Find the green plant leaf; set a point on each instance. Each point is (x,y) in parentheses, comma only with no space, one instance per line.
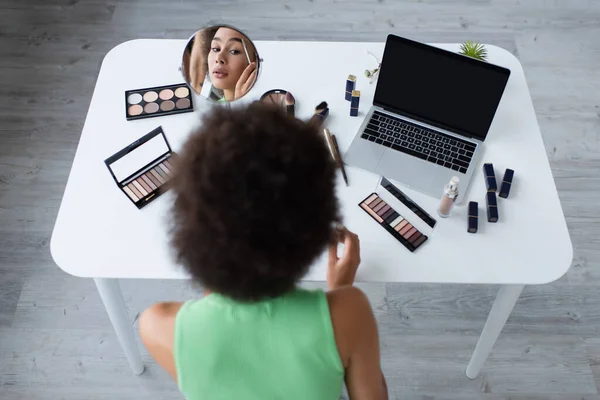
(474,50)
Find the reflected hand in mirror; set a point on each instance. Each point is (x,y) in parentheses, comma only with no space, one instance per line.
(220,63)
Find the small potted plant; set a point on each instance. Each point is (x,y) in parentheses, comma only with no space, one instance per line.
(474,50)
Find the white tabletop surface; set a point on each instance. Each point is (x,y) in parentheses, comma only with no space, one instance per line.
(100,233)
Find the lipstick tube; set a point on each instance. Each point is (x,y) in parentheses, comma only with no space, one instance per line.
(354,103)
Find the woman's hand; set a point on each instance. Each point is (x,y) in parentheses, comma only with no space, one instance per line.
(246,80)
(342,271)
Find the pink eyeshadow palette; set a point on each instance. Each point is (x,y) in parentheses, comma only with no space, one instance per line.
(158,101)
(393,222)
(143,169)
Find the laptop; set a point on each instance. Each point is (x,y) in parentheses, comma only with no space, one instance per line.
(431,113)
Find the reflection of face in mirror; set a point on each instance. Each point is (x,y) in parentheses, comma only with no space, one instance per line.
(220,63)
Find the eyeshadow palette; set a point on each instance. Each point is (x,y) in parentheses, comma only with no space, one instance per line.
(393,222)
(408,202)
(158,101)
(142,170)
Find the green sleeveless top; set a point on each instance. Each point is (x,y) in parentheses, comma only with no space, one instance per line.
(282,348)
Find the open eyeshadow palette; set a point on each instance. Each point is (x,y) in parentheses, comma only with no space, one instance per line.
(408,202)
(393,222)
(158,101)
(142,170)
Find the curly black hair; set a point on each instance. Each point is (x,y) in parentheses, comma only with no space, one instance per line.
(254,203)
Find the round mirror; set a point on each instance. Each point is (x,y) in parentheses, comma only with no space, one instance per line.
(220,63)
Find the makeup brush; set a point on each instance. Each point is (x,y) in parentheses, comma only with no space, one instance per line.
(321,112)
(339,159)
(289,104)
(246,51)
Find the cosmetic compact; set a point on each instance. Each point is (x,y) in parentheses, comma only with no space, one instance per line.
(158,101)
(142,170)
(280,98)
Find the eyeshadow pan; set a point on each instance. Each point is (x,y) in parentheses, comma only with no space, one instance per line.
(144,184)
(182,92)
(135,109)
(168,164)
(134,98)
(411,232)
(419,241)
(140,188)
(151,176)
(151,108)
(414,237)
(167,105)
(165,168)
(388,214)
(134,190)
(150,96)
(379,206)
(165,94)
(161,172)
(391,217)
(367,209)
(401,225)
(149,182)
(383,210)
(183,103)
(406,228)
(130,193)
(158,176)
(395,222)
(374,202)
(370,199)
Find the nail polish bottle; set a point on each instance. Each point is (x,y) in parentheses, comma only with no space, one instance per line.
(449,197)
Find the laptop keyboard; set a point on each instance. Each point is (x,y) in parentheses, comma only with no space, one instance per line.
(435,147)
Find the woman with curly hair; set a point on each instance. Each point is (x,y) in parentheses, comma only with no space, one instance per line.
(254,207)
(225,58)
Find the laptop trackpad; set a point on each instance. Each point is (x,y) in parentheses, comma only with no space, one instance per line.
(364,154)
(410,171)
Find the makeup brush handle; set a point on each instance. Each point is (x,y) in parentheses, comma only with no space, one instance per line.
(338,157)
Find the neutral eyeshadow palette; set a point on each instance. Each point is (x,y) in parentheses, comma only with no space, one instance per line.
(158,101)
(142,170)
(393,222)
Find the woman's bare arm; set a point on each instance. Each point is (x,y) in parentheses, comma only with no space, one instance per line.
(157,329)
(357,339)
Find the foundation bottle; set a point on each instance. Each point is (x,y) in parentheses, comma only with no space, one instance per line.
(449,197)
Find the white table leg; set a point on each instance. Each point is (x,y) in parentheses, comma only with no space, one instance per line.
(110,292)
(503,305)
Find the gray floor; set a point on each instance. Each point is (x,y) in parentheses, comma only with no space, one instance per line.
(55,339)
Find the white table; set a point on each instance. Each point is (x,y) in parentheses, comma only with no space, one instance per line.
(101,235)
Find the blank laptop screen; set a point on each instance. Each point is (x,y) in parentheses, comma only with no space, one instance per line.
(439,87)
